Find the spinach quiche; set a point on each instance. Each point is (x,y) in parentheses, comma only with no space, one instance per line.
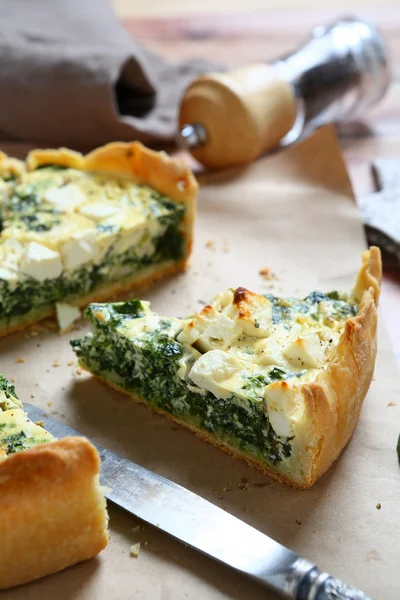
(276,381)
(76,229)
(52,509)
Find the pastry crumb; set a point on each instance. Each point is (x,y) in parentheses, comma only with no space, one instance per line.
(135,529)
(79,371)
(379,506)
(210,245)
(244,484)
(298,521)
(135,549)
(49,404)
(40,423)
(267,274)
(391,404)
(56,363)
(70,363)
(20,360)
(13,379)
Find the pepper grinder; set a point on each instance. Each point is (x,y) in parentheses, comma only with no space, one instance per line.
(227,119)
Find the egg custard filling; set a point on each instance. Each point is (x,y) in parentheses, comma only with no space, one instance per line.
(231,372)
(17,432)
(75,234)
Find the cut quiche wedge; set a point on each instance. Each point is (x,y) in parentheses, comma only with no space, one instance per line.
(52,509)
(76,229)
(277,382)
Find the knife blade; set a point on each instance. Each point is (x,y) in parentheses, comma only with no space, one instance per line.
(206,527)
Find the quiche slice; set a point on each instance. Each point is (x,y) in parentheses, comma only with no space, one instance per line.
(52,509)
(74,229)
(276,381)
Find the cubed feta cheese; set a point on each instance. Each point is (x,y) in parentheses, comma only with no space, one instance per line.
(8,275)
(65,198)
(210,330)
(278,402)
(80,249)
(252,312)
(214,368)
(66,315)
(222,300)
(98,210)
(41,263)
(306,351)
(269,350)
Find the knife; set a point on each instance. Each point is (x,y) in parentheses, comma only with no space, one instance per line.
(206,527)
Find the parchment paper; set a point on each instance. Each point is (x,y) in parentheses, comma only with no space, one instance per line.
(294,213)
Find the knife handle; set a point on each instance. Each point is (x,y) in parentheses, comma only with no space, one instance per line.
(305,583)
(245,112)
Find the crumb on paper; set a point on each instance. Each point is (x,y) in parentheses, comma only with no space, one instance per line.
(244,484)
(210,245)
(379,506)
(40,423)
(298,521)
(32,395)
(78,371)
(49,404)
(135,549)
(267,274)
(56,363)
(13,379)
(20,360)
(70,363)
(391,404)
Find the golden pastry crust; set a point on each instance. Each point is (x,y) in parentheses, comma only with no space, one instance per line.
(147,278)
(133,161)
(332,402)
(52,510)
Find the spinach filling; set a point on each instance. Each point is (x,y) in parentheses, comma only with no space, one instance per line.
(149,367)
(286,310)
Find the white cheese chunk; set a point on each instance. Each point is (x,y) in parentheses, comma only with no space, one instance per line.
(65,198)
(210,330)
(252,312)
(269,350)
(8,275)
(222,300)
(80,249)
(306,351)
(98,210)
(41,263)
(212,369)
(279,406)
(66,315)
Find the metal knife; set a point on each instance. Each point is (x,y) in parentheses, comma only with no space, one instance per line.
(207,528)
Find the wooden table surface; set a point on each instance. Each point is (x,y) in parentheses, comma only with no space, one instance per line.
(216,32)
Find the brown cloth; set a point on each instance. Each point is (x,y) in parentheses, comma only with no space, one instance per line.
(70,74)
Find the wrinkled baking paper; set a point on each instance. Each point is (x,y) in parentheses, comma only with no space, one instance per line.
(294,213)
